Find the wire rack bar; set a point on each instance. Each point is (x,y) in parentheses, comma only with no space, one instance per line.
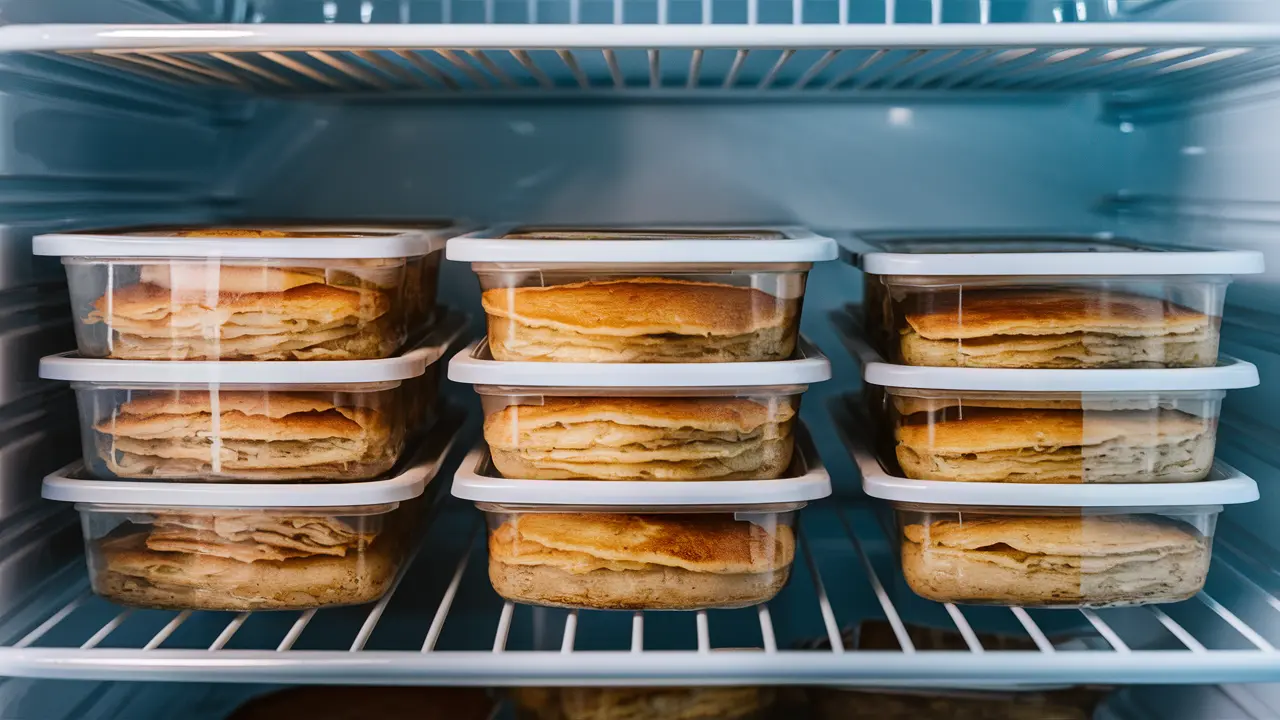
(106,630)
(1185,637)
(44,627)
(966,631)
(637,632)
(1166,60)
(824,604)
(704,632)
(882,596)
(1037,635)
(1235,622)
(767,637)
(296,631)
(1105,631)
(450,592)
(504,627)
(570,632)
(167,630)
(229,631)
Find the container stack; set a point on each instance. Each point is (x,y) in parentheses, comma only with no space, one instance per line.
(641,391)
(251,405)
(1041,413)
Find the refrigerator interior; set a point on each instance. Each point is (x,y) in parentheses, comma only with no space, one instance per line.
(937,114)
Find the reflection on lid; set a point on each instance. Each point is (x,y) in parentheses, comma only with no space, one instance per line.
(639,234)
(1022,244)
(231,232)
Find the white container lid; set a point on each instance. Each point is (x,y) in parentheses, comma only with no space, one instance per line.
(1004,253)
(1226,486)
(648,245)
(304,243)
(71,367)
(1229,374)
(67,485)
(475,365)
(476,480)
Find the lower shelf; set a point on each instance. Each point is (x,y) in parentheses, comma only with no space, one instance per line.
(443,625)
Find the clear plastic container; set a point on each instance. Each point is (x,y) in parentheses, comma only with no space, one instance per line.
(1055,556)
(1048,437)
(995,425)
(638,422)
(1013,301)
(246,294)
(1047,545)
(633,295)
(640,558)
(253,421)
(244,558)
(247,547)
(712,434)
(691,703)
(422,279)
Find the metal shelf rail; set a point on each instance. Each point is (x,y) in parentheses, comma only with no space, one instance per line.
(796,59)
(442,624)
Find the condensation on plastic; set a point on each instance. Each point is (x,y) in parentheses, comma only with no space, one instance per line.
(524,567)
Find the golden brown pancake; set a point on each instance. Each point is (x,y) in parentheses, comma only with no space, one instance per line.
(1093,560)
(639,320)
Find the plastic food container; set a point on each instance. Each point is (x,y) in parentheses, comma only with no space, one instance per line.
(246,547)
(245,294)
(1053,545)
(684,703)
(640,545)
(640,422)
(423,276)
(319,421)
(1014,301)
(1001,425)
(642,295)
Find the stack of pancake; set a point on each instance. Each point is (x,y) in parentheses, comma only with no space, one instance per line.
(638,562)
(988,444)
(244,561)
(259,435)
(643,438)
(648,319)
(1092,560)
(1054,328)
(220,310)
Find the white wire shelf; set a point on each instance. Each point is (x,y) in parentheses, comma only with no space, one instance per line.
(443,625)
(800,58)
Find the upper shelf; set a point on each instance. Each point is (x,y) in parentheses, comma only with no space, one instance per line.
(828,59)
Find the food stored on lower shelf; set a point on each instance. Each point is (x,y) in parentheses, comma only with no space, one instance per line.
(640,558)
(640,703)
(642,295)
(641,545)
(1053,556)
(246,547)
(1018,301)
(1054,545)
(1046,426)
(249,294)
(252,421)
